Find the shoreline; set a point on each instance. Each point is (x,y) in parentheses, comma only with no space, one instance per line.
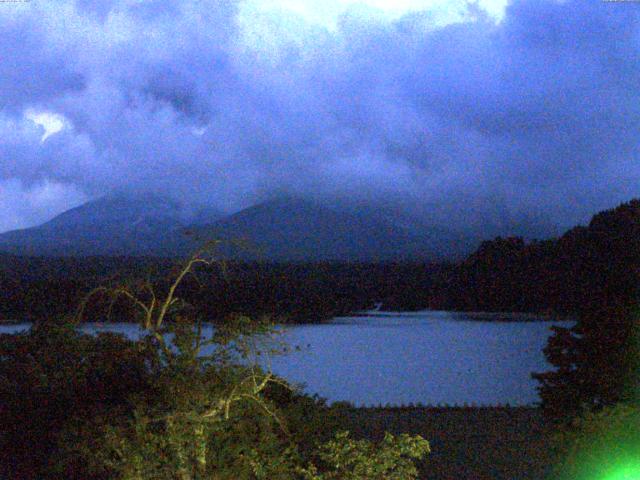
(479,316)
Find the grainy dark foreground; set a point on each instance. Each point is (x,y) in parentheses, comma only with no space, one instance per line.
(501,443)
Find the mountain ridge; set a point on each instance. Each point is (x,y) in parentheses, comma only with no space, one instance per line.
(280,229)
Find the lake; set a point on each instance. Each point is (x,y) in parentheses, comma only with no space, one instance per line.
(398,358)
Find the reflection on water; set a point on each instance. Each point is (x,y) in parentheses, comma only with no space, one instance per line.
(401,358)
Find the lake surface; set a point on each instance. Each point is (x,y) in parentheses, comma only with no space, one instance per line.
(399,358)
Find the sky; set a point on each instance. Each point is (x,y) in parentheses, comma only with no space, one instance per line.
(457,112)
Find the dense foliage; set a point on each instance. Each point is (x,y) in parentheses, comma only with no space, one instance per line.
(590,274)
(597,360)
(178,403)
(53,377)
(580,271)
(39,288)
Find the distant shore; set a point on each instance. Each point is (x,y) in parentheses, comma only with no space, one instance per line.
(11,321)
(507,316)
(477,316)
(454,315)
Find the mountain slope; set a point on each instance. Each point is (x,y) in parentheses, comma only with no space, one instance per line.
(286,229)
(114,225)
(296,230)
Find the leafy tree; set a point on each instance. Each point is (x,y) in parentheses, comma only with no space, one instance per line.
(596,361)
(347,459)
(52,377)
(195,403)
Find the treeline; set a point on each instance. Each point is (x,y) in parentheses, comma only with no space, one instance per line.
(587,266)
(590,274)
(38,288)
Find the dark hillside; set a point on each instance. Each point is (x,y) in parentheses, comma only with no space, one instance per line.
(587,266)
(37,288)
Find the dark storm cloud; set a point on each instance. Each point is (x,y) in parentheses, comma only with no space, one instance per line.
(464,124)
(30,72)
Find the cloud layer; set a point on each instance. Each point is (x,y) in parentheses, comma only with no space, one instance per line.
(216,103)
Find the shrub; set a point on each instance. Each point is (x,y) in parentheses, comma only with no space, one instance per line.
(166,407)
